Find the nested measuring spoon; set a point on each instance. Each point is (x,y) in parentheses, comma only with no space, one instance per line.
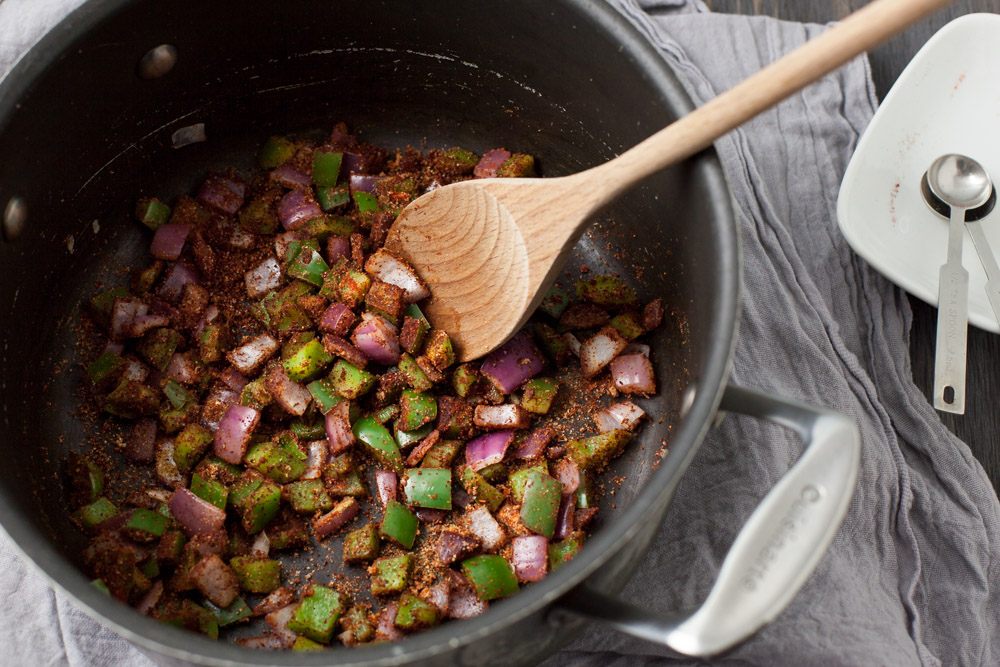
(962,185)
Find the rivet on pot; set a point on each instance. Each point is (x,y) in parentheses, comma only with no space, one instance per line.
(15,215)
(158,61)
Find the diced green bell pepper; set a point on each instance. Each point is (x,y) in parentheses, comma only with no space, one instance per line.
(259,506)
(158,345)
(190,445)
(102,304)
(306,431)
(257,216)
(441,454)
(256,575)
(428,487)
(349,380)
(561,552)
(491,576)
(518,165)
(308,266)
(628,325)
(144,280)
(414,375)
(388,413)
(362,544)
(379,443)
(187,614)
(100,510)
(356,622)
(106,369)
(86,479)
(308,496)
(275,152)
(366,202)
(145,525)
(325,226)
(413,333)
(480,489)
(242,488)
(538,395)
(540,503)
(597,450)
(325,394)
(132,399)
(415,613)
(458,160)
(303,643)
(331,198)
(607,291)
(101,586)
(582,495)
(281,460)
(390,575)
(439,350)
(234,613)
(326,166)
(495,473)
(552,343)
(406,438)
(554,303)
(152,212)
(317,614)
(399,524)
(463,379)
(255,395)
(520,477)
(353,287)
(209,490)
(176,394)
(307,362)
(416,409)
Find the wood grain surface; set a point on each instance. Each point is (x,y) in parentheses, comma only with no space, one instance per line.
(980,426)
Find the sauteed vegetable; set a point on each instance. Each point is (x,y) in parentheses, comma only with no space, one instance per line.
(273,370)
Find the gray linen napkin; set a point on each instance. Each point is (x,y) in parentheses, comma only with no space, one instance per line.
(911,577)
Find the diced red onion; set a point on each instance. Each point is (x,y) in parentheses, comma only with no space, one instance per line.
(189,134)
(215,542)
(339,435)
(263,278)
(568,474)
(233,378)
(278,620)
(261,546)
(439,595)
(296,207)
(115,523)
(385,626)
(195,515)
(219,398)
(337,247)
(490,162)
(337,320)
(636,348)
(465,604)
(624,415)
(386,482)
(150,599)
(388,268)
(573,343)
(252,354)
(208,316)
(365,316)
(487,449)
(536,442)
(652,314)
(364,183)
(124,310)
(112,346)
(290,177)
(598,350)
(633,374)
(351,162)
(215,580)
(136,370)
(340,347)
(145,323)
(168,240)
(282,240)
(182,369)
(453,545)
(555,452)
(582,517)
(374,338)
(564,520)
(318,455)
(430,515)
(223,193)
(530,558)
(166,467)
(292,396)
(513,363)
(240,239)
(275,600)
(233,434)
(418,453)
(141,441)
(342,512)
(482,524)
(177,276)
(507,416)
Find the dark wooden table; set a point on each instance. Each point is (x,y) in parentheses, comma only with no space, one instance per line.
(980,425)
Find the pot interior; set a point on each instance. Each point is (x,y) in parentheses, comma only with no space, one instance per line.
(87,137)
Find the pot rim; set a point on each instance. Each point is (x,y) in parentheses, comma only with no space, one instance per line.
(160,638)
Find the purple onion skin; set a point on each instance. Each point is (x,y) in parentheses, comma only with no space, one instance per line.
(513,363)
(234,432)
(488,449)
(296,207)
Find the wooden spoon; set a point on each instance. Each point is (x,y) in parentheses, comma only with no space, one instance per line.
(489,249)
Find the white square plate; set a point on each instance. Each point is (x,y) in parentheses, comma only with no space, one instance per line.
(947,100)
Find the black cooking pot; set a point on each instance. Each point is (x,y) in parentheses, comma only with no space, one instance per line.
(82,134)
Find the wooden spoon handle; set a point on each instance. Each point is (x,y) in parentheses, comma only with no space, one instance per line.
(857,33)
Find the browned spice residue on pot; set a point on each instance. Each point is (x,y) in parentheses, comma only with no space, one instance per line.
(255,396)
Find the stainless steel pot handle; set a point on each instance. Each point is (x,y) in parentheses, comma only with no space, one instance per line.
(773,554)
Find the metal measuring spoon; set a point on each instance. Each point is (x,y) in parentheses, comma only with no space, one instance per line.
(962,184)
